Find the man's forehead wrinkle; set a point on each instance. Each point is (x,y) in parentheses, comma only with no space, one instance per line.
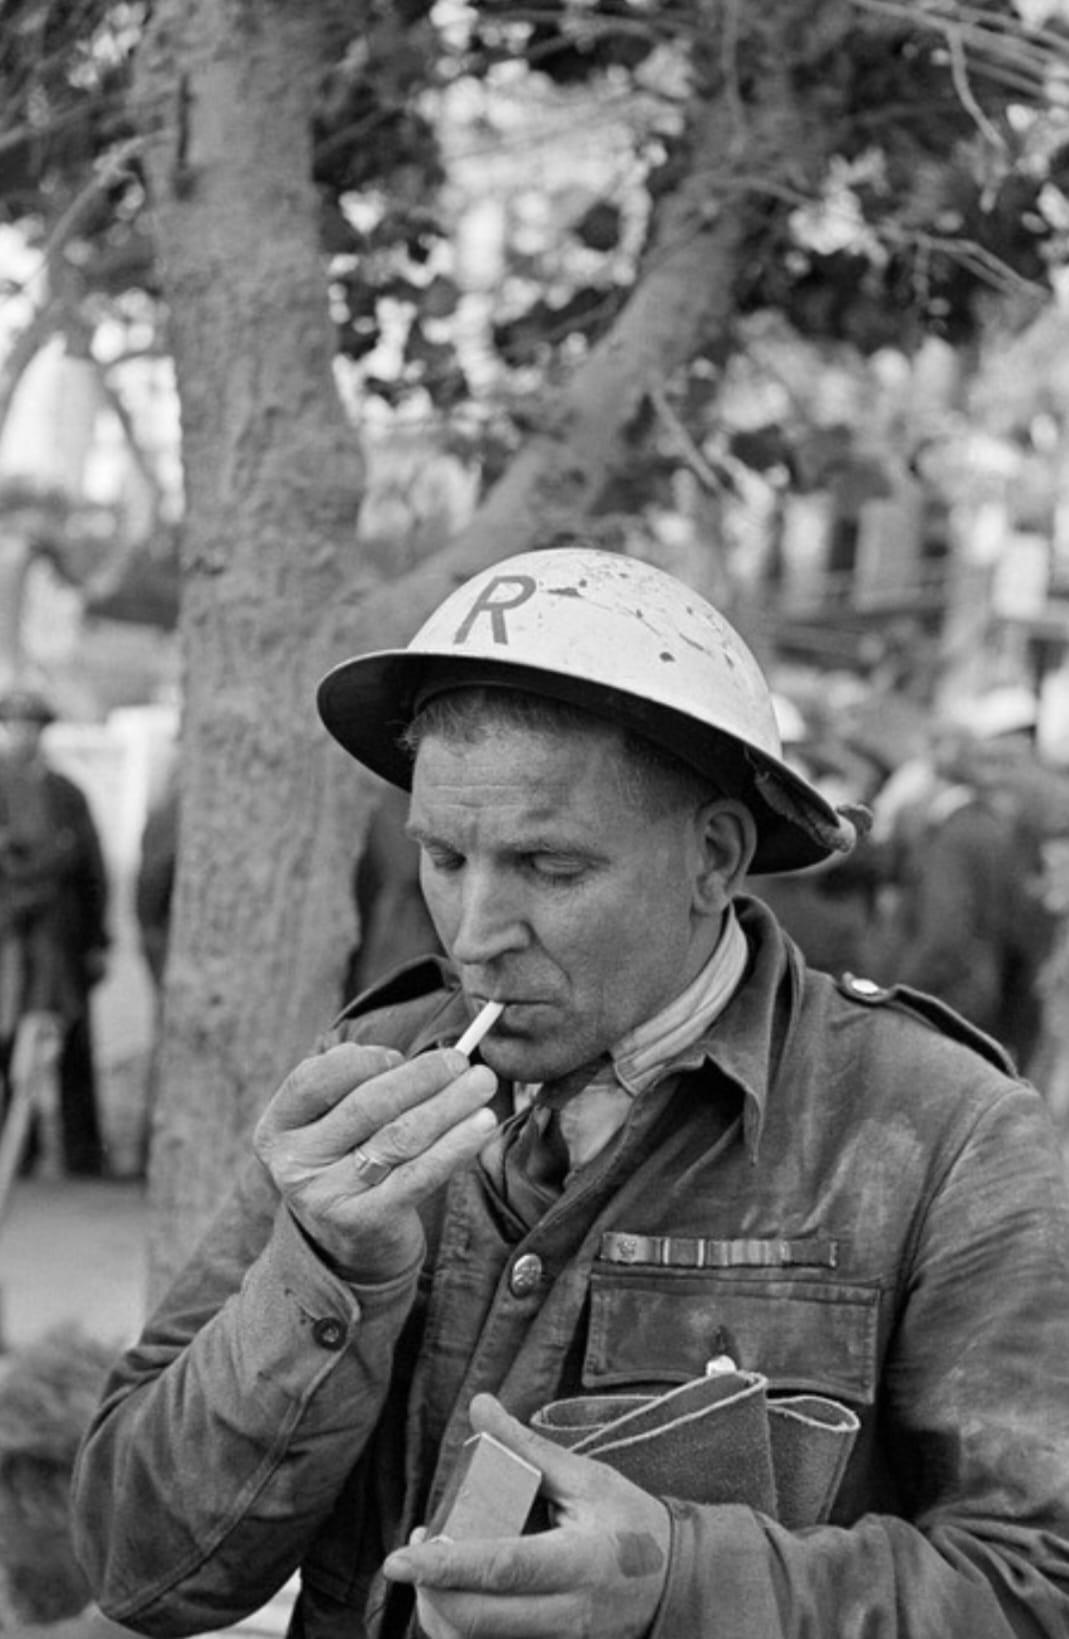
(601,743)
(515,793)
(484,799)
(538,791)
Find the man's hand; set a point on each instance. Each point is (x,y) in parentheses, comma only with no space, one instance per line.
(337,1111)
(600,1571)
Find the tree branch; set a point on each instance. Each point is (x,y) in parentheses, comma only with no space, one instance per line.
(684,294)
(24,348)
(68,222)
(702,469)
(959,70)
(138,454)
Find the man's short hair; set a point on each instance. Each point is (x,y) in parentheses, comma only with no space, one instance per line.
(653,778)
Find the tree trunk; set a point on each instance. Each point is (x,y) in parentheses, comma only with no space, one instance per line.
(274,480)
(271,816)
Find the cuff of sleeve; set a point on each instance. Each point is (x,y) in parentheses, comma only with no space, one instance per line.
(318,1288)
(296,1325)
(718,1575)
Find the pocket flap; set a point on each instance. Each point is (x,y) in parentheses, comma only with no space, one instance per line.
(649,1327)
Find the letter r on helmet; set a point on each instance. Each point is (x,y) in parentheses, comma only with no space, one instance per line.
(524,587)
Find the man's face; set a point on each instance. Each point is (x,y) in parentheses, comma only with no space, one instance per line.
(555,891)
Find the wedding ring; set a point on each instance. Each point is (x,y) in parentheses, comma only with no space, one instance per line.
(369,1169)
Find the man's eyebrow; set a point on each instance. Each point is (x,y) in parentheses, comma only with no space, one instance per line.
(536,842)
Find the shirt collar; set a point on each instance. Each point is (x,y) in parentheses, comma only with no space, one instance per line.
(747,1041)
(642,1055)
(744,1042)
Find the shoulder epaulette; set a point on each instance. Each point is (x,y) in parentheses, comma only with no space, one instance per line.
(930,1011)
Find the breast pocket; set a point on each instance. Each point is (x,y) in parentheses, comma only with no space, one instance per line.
(660,1327)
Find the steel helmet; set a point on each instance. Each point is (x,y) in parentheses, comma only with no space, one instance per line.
(618,637)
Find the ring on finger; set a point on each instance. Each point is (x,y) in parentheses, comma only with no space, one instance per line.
(370,1169)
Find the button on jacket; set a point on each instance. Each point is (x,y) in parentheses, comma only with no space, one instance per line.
(846,1183)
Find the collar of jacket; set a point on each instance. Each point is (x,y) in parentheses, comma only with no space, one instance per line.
(744,1044)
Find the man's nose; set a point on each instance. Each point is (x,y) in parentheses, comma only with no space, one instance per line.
(489,923)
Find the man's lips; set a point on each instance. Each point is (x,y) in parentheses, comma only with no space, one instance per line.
(514,1007)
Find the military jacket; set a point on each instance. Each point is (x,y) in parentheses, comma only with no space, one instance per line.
(847,1187)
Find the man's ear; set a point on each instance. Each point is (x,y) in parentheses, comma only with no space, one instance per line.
(727,837)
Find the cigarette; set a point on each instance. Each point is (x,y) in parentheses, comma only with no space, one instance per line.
(487,1015)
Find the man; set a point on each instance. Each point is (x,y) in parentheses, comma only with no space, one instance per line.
(829,910)
(53,917)
(704,1151)
(393,922)
(965,919)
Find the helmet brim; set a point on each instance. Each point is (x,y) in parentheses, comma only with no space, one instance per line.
(367,703)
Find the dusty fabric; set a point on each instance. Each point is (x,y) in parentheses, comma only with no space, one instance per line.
(718,1438)
(849,1185)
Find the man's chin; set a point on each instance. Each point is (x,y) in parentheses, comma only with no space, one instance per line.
(514,1059)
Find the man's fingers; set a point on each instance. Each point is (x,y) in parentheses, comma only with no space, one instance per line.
(561,1471)
(411,1085)
(515,1566)
(599,1571)
(488,1416)
(446,1615)
(451,1142)
(414,1122)
(441,1117)
(350,1092)
(316,1085)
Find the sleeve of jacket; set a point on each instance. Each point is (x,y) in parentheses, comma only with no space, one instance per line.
(976,1400)
(228,1431)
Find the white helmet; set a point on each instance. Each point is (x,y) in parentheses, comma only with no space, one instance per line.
(620,638)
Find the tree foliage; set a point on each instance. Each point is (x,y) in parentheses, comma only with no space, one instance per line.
(285,197)
(941,178)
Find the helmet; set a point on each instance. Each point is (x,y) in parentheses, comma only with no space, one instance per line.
(25,706)
(618,637)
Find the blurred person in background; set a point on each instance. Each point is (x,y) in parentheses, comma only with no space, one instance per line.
(1010,767)
(830,909)
(964,917)
(393,922)
(53,921)
(1049,1068)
